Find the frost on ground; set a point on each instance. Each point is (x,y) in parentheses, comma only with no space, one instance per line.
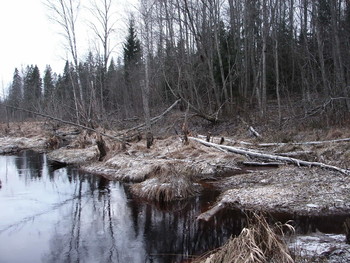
(74,156)
(14,144)
(289,188)
(138,163)
(320,247)
(305,191)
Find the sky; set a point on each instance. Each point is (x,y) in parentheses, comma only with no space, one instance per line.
(28,37)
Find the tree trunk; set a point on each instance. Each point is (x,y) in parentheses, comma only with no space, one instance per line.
(338,60)
(145,84)
(264,63)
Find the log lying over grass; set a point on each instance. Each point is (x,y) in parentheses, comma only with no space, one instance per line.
(274,157)
(262,164)
(273,144)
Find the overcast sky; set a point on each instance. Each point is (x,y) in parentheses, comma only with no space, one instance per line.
(29,37)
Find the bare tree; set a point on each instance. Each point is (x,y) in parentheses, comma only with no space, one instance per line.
(277,71)
(65,15)
(103,26)
(265,33)
(146,7)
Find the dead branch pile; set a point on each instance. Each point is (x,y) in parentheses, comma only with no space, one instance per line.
(168,183)
(258,243)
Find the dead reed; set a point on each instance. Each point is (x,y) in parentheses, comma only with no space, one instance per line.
(167,183)
(258,243)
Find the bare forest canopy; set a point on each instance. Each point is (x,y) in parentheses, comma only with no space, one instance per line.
(221,57)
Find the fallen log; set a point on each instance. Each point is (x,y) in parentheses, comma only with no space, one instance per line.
(273,157)
(66,122)
(298,143)
(153,120)
(254,132)
(296,153)
(278,143)
(264,164)
(207,215)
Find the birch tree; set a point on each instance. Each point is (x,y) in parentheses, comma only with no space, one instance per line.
(65,14)
(103,26)
(146,7)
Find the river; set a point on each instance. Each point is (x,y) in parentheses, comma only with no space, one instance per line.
(64,215)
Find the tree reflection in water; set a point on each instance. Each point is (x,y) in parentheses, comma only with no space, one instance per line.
(30,163)
(90,219)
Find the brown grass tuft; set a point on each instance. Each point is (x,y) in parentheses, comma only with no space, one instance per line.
(167,183)
(258,243)
(334,134)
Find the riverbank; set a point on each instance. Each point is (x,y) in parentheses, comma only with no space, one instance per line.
(286,188)
(173,170)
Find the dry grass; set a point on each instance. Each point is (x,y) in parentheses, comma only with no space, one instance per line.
(258,243)
(168,183)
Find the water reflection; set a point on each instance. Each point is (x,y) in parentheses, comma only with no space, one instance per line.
(29,163)
(63,215)
(67,216)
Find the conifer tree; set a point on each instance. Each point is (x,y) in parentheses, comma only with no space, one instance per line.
(15,92)
(63,87)
(32,87)
(132,68)
(132,47)
(110,85)
(48,84)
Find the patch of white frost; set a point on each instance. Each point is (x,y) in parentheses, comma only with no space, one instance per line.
(331,247)
(12,144)
(74,156)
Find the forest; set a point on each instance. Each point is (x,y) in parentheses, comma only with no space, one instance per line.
(259,95)
(266,58)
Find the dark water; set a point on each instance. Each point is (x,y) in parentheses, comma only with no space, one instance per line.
(68,216)
(64,215)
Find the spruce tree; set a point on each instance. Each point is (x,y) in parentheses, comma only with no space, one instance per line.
(32,87)
(48,84)
(110,85)
(37,84)
(15,92)
(132,71)
(64,87)
(132,49)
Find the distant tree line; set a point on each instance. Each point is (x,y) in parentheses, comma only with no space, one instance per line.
(220,57)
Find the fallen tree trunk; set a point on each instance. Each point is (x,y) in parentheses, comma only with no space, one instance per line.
(257,164)
(213,118)
(66,122)
(296,153)
(273,157)
(153,120)
(280,143)
(299,143)
(207,215)
(254,132)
